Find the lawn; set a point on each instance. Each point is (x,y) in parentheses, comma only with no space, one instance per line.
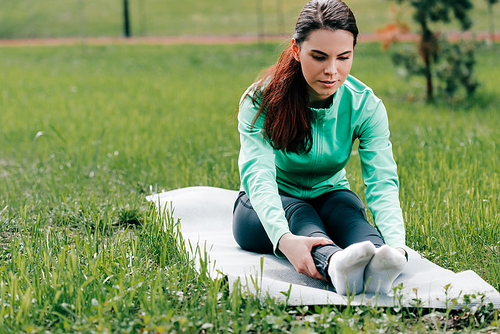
(63,18)
(89,131)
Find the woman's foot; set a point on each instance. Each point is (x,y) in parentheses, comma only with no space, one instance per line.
(385,266)
(347,267)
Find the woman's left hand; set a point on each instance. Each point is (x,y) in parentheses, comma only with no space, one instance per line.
(297,250)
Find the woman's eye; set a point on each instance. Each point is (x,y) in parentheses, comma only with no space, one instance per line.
(318,57)
(343,58)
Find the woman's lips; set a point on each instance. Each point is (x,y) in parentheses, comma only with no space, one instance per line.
(328,84)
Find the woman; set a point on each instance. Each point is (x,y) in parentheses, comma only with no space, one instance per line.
(297,127)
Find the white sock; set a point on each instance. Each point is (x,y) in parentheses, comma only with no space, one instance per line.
(347,267)
(383,269)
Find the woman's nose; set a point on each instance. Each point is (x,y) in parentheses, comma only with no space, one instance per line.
(331,68)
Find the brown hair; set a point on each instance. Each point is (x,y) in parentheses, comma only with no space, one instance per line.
(281,94)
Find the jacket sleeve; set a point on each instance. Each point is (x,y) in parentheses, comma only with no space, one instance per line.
(380,174)
(258,173)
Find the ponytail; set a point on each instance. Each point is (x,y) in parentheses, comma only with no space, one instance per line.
(282,97)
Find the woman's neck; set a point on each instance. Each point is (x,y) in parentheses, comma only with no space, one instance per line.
(321,103)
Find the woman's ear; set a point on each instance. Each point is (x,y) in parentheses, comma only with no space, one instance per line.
(295,50)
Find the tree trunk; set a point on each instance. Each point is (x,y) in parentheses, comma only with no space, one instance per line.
(427,50)
(428,76)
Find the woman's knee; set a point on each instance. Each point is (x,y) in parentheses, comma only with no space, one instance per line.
(297,209)
(342,200)
(247,228)
(303,218)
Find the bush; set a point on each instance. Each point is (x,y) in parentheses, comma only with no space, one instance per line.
(453,66)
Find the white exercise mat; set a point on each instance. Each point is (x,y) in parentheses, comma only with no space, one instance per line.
(206,218)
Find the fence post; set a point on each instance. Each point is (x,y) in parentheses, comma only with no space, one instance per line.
(30,17)
(81,10)
(281,16)
(260,20)
(126,19)
(143,17)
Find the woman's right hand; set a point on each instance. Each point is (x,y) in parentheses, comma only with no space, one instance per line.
(297,250)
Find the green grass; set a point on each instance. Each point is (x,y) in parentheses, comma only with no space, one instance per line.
(88,131)
(63,18)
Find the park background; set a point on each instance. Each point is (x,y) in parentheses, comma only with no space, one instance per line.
(89,129)
(95,18)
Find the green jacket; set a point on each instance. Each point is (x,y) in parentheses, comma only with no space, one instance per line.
(354,113)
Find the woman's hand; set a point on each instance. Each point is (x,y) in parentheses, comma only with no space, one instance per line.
(297,250)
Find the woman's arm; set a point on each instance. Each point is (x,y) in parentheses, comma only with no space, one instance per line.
(258,179)
(380,174)
(258,173)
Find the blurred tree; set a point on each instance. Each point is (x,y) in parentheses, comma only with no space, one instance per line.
(432,11)
(432,48)
(391,32)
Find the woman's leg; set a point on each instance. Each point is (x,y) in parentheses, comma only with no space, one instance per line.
(302,220)
(247,228)
(344,216)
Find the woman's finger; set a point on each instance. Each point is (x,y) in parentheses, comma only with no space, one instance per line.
(317,241)
(298,251)
(309,262)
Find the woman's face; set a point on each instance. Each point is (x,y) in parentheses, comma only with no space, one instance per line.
(326,59)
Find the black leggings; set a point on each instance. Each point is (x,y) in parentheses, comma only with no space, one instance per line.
(338,215)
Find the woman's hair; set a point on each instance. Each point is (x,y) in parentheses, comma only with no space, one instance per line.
(281,94)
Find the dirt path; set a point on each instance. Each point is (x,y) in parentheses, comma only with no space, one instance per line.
(201,39)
